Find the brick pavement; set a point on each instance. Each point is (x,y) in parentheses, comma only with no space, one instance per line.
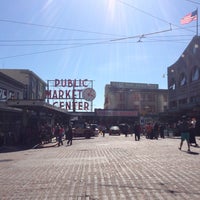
(114,167)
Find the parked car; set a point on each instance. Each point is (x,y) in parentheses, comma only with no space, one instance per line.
(114,130)
(82,130)
(125,128)
(95,129)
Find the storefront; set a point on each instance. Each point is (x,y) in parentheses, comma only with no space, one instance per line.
(21,121)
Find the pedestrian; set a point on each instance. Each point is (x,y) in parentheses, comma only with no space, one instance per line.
(69,135)
(60,136)
(137,131)
(126,129)
(149,130)
(193,129)
(56,131)
(162,129)
(104,131)
(155,131)
(184,130)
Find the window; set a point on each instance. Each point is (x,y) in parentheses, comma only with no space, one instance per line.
(172,85)
(136,97)
(121,106)
(195,73)
(11,94)
(173,104)
(182,79)
(183,101)
(3,94)
(195,99)
(151,97)
(121,96)
(17,95)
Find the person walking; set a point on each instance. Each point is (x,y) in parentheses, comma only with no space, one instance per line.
(56,131)
(155,131)
(60,136)
(137,130)
(69,136)
(184,130)
(162,129)
(193,129)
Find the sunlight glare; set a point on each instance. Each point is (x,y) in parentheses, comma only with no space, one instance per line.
(46,5)
(111,8)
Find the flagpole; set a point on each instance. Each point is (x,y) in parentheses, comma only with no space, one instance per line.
(197,22)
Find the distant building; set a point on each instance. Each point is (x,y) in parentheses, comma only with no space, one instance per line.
(10,88)
(184,81)
(34,86)
(145,99)
(23,108)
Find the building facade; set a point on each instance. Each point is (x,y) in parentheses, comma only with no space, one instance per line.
(34,85)
(23,108)
(10,88)
(145,99)
(184,81)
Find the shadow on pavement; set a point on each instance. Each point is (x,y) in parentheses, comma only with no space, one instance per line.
(191,152)
(7,149)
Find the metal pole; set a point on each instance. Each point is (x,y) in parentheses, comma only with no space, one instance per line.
(73,99)
(197,22)
(92,100)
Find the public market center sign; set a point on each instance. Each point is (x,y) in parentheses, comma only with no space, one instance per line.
(72,95)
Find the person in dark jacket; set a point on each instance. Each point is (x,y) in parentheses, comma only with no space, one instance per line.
(69,135)
(184,130)
(193,130)
(137,130)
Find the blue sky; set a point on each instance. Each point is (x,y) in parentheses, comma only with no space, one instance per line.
(81,39)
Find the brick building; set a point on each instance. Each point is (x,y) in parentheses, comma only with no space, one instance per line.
(184,81)
(145,99)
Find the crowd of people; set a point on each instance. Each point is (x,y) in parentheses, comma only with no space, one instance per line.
(187,129)
(57,132)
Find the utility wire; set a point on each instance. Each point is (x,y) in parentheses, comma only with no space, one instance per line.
(51,50)
(53,40)
(56,27)
(149,14)
(76,46)
(193,2)
(63,42)
(141,36)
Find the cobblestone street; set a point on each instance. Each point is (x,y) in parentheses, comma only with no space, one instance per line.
(111,167)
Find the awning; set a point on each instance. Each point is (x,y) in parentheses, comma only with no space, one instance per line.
(4,107)
(37,105)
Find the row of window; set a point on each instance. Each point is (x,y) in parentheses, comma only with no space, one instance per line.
(142,97)
(8,94)
(183,79)
(194,99)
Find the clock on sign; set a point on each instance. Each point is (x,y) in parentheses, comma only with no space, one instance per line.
(89,94)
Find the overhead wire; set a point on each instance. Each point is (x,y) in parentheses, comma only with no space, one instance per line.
(57,27)
(193,2)
(79,46)
(76,45)
(149,14)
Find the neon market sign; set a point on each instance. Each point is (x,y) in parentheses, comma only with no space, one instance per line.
(72,95)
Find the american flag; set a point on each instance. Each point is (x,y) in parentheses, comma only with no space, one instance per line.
(189,17)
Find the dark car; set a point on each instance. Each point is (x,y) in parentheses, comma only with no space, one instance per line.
(125,128)
(114,130)
(95,129)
